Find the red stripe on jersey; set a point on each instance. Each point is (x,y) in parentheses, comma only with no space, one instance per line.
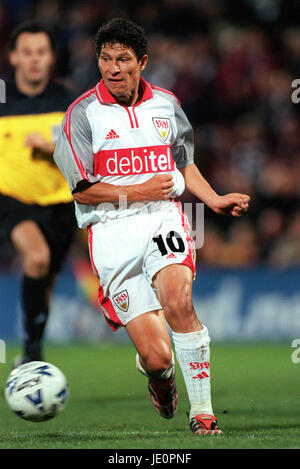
(71,107)
(90,244)
(78,162)
(105,97)
(128,161)
(135,118)
(129,115)
(154,87)
(190,259)
(98,94)
(104,94)
(67,129)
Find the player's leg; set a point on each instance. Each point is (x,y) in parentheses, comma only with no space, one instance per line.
(154,359)
(191,340)
(35,254)
(174,289)
(150,337)
(127,298)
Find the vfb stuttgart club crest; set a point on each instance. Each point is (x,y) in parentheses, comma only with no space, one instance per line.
(162,126)
(122,300)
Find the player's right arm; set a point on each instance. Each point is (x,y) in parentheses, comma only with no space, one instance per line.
(75,158)
(159,187)
(183,153)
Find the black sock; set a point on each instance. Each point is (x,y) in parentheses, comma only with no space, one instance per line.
(35,305)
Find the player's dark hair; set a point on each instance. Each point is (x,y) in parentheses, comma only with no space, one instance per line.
(125,32)
(30,27)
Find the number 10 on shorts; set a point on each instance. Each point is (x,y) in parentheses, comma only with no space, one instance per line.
(173,240)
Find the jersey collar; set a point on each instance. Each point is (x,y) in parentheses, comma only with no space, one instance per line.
(105,97)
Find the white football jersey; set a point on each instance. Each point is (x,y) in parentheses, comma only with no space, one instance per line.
(103,141)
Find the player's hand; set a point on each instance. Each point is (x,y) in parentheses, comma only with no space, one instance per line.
(36,140)
(234,204)
(159,187)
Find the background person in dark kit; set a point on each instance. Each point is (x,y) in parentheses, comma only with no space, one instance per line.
(36,206)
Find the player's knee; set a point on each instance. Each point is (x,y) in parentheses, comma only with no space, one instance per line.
(157,363)
(178,305)
(179,312)
(37,263)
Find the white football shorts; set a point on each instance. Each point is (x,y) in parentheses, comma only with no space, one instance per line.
(126,253)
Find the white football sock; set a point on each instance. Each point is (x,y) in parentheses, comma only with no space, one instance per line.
(193,355)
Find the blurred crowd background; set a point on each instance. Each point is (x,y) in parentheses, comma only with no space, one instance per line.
(231,64)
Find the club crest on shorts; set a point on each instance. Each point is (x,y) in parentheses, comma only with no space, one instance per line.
(122,300)
(162,126)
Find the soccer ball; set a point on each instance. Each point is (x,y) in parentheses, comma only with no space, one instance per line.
(36,391)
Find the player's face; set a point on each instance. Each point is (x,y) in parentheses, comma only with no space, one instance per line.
(121,71)
(32,57)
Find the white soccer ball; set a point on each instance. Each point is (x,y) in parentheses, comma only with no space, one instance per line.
(36,391)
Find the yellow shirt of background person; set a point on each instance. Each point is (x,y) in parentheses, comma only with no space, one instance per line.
(28,130)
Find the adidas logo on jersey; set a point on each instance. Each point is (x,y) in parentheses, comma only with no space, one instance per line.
(111,135)
(171,256)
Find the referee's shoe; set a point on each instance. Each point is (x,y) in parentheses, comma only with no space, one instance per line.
(32,354)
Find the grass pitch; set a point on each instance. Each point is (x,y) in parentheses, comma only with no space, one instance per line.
(255,390)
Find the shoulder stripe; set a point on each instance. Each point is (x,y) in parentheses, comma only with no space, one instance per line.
(67,129)
(158,88)
(80,98)
(98,94)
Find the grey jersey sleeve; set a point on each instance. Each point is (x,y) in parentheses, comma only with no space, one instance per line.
(73,152)
(183,147)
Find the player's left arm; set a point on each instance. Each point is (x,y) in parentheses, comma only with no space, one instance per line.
(234,203)
(183,154)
